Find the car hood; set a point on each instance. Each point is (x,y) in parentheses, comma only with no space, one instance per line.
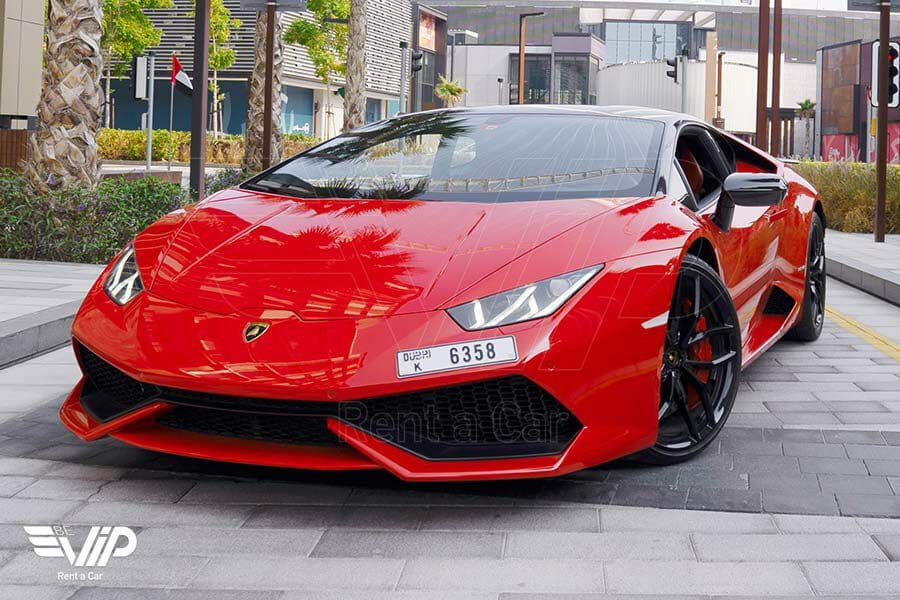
(333,259)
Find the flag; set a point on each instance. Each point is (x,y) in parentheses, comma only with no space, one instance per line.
(180,79)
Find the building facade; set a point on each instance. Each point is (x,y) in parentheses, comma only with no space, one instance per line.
(845,89)
(636,37)
(563,71)
(21,53)
(310,106)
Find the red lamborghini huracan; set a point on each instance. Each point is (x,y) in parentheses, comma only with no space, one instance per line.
(482,293)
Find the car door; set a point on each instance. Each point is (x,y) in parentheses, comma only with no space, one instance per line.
(748,251)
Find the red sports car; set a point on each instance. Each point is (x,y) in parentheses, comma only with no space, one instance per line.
(486,293)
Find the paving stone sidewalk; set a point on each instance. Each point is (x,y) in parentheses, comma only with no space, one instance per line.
(38,301)
(856,259)
(29,286)
(789,502)
(204,528)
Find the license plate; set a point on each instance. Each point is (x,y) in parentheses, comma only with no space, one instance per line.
(450,357)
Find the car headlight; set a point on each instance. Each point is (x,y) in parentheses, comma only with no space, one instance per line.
(525,303)
(124,281)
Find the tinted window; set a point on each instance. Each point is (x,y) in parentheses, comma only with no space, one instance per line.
(478,157)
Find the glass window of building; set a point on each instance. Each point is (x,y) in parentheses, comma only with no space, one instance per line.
(571,76)
(373,110)
(537,79)
(427,80)
(632,41)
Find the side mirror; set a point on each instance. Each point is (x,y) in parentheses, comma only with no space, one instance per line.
(748,189)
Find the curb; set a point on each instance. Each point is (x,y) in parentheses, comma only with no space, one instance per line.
(24,337)
(865,277)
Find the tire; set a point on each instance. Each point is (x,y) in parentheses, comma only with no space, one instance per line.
(812,315)
(703,339)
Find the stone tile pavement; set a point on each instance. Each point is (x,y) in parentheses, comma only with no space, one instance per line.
(37,303)
(790,502)
(28,286)
(856,259)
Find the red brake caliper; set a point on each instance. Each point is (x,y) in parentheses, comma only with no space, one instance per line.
(699,352)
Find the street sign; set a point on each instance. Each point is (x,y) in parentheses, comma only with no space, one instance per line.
(871,5)
(262,5)
(893,72)
(139,77)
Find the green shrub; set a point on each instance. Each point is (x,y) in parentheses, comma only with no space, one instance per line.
(79,224)
(127,144)
(225,178)
(847,191)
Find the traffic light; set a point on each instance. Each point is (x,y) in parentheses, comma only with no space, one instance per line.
(417,57)
(673,69)
(893,70)
(893,75)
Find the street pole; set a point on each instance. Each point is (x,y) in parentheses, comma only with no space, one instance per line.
(522,18)
(684,88)
(499,90)
(404,73)
(521,97)
(882,133)
(719,122)
(775,147)
(762,76)
(452,55)
(171,113)
(152,83)
(198,112)
(270,74)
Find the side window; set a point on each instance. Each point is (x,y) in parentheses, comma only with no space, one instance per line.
(742,158)
(702,164)
(677,187)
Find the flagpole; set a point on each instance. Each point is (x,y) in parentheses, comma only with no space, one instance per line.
(171,111)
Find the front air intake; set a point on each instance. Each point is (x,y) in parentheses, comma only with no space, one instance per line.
(510,417)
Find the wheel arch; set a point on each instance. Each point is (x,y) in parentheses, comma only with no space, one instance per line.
(819,209)
(703,249)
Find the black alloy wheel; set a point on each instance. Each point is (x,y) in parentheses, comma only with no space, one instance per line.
(700,368)
(812,317)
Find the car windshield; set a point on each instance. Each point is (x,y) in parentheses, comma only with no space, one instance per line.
(460,156)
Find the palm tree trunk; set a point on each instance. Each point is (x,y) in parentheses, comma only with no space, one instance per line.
(355,97)
(256,99)
(63,149)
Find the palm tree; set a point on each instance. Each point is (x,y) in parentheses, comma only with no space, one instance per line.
(355,88)
(63,149)
(806,111)
(451,92)
(256,99)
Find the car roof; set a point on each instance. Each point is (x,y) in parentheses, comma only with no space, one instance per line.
(625,111)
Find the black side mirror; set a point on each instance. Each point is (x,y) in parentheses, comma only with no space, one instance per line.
(748,189)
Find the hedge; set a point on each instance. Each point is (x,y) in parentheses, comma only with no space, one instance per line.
(128,144)
(80,224)
(847,191)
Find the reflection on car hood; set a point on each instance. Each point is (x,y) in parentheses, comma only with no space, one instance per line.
(331,259)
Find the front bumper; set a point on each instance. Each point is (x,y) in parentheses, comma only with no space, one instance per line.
(607,382)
